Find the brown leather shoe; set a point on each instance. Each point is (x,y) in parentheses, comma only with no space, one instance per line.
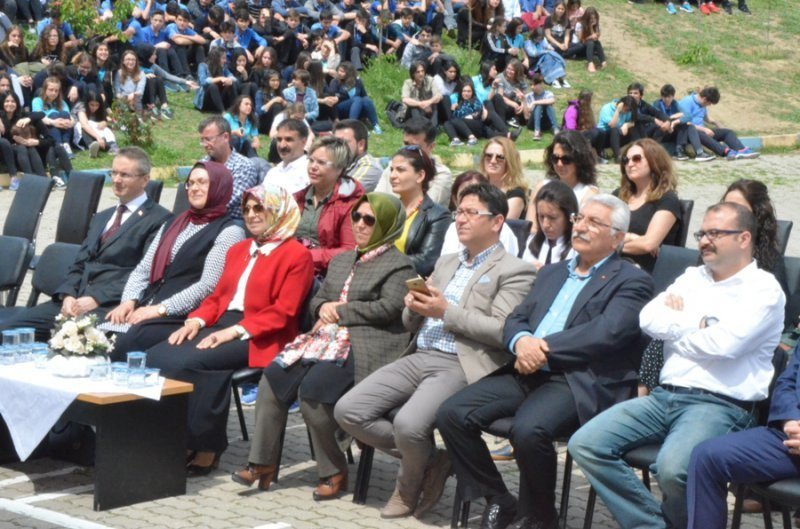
(330,488)
(249,475)
(433,484)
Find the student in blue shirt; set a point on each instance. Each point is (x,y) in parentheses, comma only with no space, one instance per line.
(187,43)
(244,128)
(156,35)
(252,42)
(680,131)
(616,123)
(227,40)
(723,142)
(300,92)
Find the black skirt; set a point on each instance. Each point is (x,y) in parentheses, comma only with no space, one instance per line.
(323,382)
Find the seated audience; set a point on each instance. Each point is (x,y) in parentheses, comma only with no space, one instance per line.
(92,126)
(426,221)
(325,204)
(451,243)
(358,330)
(616,123)
(540,109)
(352,101)
(218,86)
(587,30)
(679,132)
(648,186)
(244,129)
(501,164)
(564,372)
(115,243)
(181,267)
(215,138)
(252,313)
(721,141)
(544,59)
(458,340)
(365,169)
(419,132)
(555,205)
(292,171)
(420,96)
(300,92)
(720,323)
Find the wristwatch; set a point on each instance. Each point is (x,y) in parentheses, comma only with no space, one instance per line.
(162,310)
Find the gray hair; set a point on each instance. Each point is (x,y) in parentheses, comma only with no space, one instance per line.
(620,213)
(338,150)
(137,156)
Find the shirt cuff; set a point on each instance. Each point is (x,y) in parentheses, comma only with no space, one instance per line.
(198,320)
(515,339)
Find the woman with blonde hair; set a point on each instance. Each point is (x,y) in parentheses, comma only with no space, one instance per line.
(648,186)
(501,163)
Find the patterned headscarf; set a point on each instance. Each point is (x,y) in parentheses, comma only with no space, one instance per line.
(281,206)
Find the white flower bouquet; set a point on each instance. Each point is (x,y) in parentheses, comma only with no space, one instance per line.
(79,337)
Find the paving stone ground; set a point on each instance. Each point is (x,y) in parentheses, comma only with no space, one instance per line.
(49,494)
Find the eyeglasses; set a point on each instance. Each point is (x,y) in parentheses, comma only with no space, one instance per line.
(319,163)
(205,141)
(594,224)
(369,220)
(489,156)
(472,213)
(714,235)
(636,158)
(255,208)
(196,183)
(125,176)
(565,160)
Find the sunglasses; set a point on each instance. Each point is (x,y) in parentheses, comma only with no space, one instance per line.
(565,160)
(490,155)
(636,158)
(255,208)
(369,220)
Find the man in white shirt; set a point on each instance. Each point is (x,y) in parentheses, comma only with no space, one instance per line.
(365,167)
(292,172)
(720,324)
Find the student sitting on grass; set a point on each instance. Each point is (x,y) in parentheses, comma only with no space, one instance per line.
(539,104)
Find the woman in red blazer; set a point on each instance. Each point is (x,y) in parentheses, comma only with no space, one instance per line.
(252,313)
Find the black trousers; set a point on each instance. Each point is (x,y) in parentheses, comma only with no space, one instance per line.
(217,99)
(543,409)
(189,56)
(210,370)
(28,160)
(145,335)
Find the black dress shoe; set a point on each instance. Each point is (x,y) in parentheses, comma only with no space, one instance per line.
(533,523)
(497,516)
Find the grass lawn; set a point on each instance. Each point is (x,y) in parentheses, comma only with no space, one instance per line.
(749,58)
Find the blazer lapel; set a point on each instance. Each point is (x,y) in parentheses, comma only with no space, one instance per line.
(486,268)
(600,278)
(130,222)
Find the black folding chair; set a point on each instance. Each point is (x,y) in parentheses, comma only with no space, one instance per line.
(17,253)
(522,229)
(27,207)
(784,229)
(81,199)
(672,261)
(181,203)
(154,189)
(687,206)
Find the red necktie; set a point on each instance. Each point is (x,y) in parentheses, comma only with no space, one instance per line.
(115,225)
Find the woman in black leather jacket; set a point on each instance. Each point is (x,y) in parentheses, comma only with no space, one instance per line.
(426,222)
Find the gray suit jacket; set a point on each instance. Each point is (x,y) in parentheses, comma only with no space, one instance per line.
(494,290)
(374,304)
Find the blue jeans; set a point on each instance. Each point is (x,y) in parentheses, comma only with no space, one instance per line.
(358,107)
(535,121)
(60,135)
(680,422)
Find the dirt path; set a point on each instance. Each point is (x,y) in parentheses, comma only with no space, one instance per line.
(650,66)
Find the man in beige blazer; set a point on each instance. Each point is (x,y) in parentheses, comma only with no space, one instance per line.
(458,340)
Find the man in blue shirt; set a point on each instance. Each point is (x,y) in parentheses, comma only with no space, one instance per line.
(248,39)
(573,351)
(695,110)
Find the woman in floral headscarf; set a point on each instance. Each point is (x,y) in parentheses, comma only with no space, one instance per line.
(359,329)
(252,313)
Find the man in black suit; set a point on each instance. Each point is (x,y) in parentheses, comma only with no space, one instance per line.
(117,240)
(575,341)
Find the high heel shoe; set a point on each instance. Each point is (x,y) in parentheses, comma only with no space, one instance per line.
(195,470)
(249,475)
